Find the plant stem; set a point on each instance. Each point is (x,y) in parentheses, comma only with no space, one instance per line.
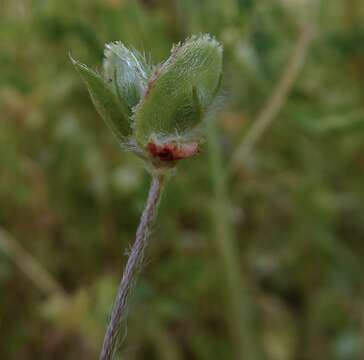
(30,266)
(132,270)
(240,311)
(276,101)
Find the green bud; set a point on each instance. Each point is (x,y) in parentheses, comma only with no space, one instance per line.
(157,113)
(127,72)
(180,91)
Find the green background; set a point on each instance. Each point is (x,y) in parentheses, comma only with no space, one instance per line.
(263,261)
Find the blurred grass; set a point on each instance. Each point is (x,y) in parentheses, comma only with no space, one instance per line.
(291,216)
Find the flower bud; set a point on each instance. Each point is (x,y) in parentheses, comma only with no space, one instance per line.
(127,72)
(180,91)
(157,112)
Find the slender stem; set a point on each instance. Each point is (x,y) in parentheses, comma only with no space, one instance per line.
(29,265)
(240,310)
(132,270)
(276,102)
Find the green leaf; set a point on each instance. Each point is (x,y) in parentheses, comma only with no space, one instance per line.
(110,109)
(180,92)
(127,71)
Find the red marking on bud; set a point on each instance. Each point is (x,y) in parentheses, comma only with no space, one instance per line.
(172,151)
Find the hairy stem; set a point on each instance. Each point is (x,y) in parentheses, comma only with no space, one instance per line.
(132,270)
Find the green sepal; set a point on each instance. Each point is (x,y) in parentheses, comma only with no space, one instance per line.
(114,113)
(127,72)
(190,77)
(196,102)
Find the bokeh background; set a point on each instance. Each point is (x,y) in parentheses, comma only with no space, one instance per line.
(258,250)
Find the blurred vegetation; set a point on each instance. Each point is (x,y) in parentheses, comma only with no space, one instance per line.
(263,261)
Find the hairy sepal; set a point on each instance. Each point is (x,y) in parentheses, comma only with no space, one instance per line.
(127,72)
(105,101)
(180,92)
